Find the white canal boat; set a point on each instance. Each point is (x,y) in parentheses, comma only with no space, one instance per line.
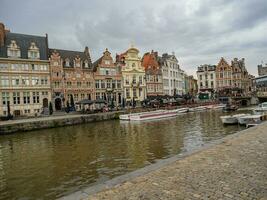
(231,119)
(249,119)
(199,108)
(182,110)
(153,115)
(262,108)
(127,116)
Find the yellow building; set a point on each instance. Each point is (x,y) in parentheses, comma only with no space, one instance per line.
(133,75)
(24,74)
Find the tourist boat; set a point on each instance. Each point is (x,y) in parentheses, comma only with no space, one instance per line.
(153,115)
(229,107)
(262,108)
(249,119)
(231,119)
(182,110)
(218,106)
(127,116)
(199,108)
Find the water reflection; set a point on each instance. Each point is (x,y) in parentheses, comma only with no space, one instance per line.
(54,162)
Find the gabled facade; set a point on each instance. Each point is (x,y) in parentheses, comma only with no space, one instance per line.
(154,84)
(25,73)
(173,76)
(133,75)
(71,77)
(108,80)
(233,79)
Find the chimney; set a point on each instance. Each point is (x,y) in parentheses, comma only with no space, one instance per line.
(2,34)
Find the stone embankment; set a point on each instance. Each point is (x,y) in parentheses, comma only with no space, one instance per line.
(234,168)
(13,126)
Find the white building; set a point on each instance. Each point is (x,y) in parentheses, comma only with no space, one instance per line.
(173,76)
(206,78)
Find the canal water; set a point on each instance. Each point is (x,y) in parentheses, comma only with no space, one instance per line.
(51,163)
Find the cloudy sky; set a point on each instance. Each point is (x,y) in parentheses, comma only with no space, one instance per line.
(197,31)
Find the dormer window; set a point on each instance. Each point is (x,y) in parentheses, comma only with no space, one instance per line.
(86,64)
(13,50)
(33,51)
(67,62)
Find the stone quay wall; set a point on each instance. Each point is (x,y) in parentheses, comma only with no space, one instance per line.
(13,126)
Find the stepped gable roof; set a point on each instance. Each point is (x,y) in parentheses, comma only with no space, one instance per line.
(24,42)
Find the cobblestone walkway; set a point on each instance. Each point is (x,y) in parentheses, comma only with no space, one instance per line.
(235,169)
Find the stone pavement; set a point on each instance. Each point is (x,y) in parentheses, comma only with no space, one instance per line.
(236,168)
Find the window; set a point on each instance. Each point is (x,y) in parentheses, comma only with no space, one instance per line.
(76,97)
(113,83)
(206,76)
(86,64)
(25,81)
(118,84)
(35,97)
(69,84)
(24,67)
(107,72)
(140,80)
(82,96)
(44,80)
(13,50)
(15,81)
(3,66)
(127,80)
(79,84)
(15,66)
(67,63)
(35,80)
(107,62)
(16,98)
(211,76)
(88,84)
(97,95)
(103,84)
(127,93)
(77,63)
(26,97)
(33,51)
(134,92)
(108,83)
(27,111)
(211,83)
(4,81)
(97,84)
(5,98)
(134,79)
(140,92)
(200,77)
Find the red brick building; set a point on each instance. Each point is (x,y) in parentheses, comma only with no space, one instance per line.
(71,75)
(154,83)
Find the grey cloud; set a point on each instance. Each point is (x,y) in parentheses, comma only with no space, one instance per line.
(198,31)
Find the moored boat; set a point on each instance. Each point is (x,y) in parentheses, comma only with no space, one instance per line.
(154,115)
(199,108)
(262,108)
(182,110)
(127,116)
(231,119)
(249,119)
